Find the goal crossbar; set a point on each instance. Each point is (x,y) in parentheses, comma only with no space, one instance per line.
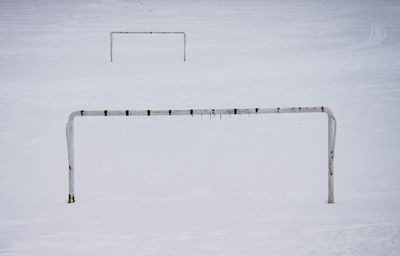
(146,32)
(211,112)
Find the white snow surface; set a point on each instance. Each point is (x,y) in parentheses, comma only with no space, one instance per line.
(240,185)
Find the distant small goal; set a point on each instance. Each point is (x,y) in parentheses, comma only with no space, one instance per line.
(192,112)
(179,33)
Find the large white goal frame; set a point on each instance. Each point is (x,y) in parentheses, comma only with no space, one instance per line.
(193,112)
(147,33)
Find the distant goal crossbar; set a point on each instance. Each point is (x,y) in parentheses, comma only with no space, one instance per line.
(147,33)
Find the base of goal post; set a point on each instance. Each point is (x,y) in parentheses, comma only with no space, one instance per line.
(71,199)
(211,112)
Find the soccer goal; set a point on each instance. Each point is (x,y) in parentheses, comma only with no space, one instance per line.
(193,112)
(146,33)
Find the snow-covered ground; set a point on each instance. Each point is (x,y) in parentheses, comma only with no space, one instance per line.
(240,185)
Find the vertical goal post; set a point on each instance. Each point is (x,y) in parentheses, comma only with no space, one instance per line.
(211,112)
(146,33)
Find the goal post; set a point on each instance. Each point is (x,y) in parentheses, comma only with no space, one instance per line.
(147,33)
(193,112)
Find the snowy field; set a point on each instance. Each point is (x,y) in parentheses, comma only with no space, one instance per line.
(240,185)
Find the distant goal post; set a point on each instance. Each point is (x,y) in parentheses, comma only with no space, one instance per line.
(146,33)
(193,112)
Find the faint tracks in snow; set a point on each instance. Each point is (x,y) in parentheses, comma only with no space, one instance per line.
(377,34)
(355,227)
